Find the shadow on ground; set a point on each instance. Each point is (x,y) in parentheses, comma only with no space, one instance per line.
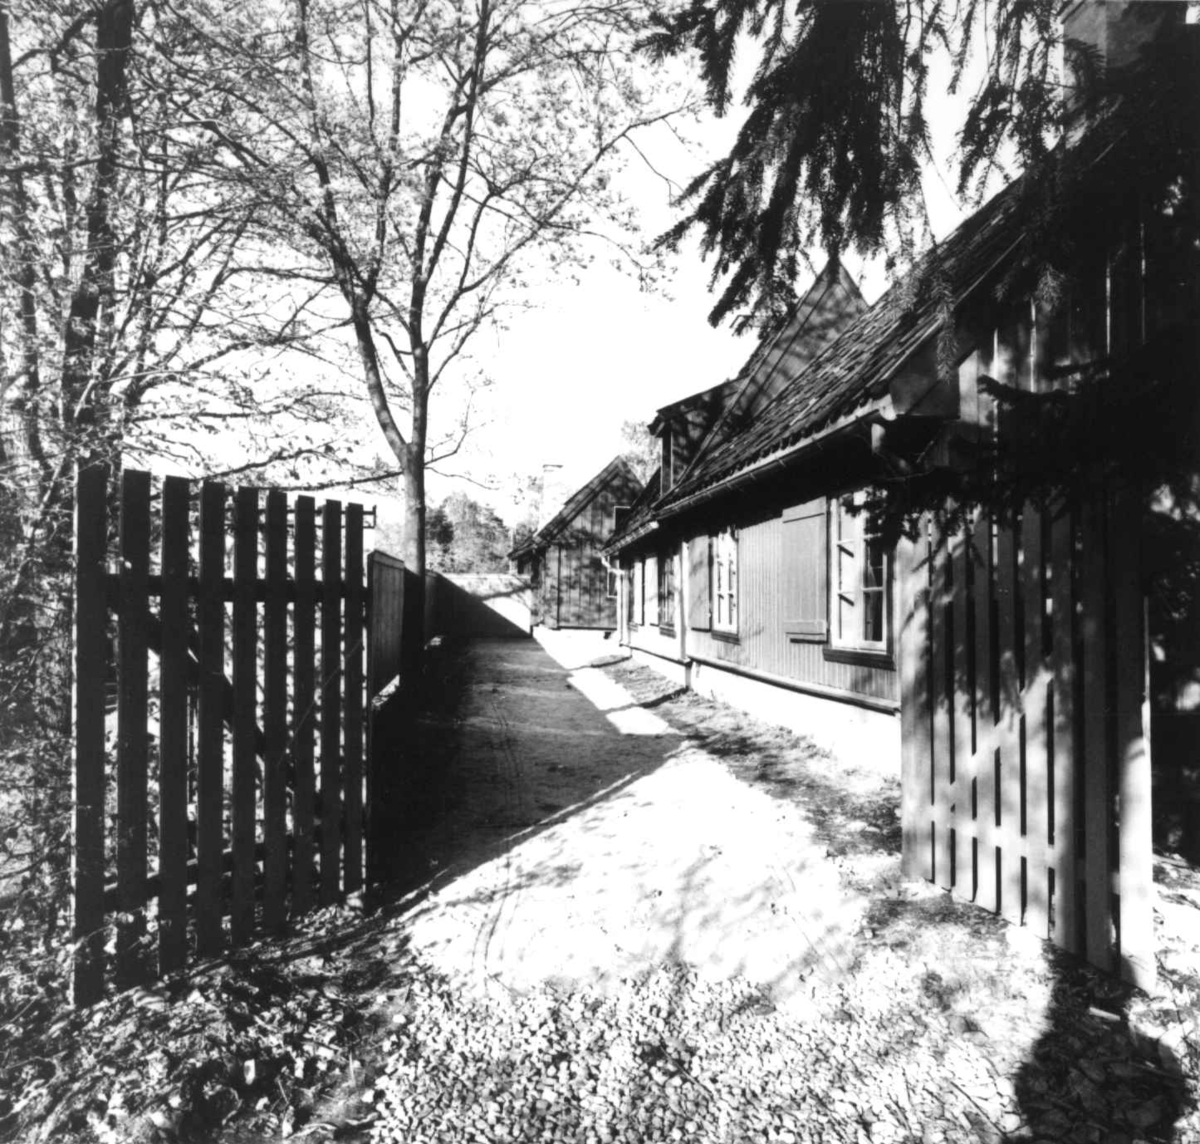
(472,793)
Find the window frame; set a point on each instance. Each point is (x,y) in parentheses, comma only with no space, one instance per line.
(666,591)
(849,569)
(724,582)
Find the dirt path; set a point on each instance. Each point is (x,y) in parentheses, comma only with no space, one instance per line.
(646,848)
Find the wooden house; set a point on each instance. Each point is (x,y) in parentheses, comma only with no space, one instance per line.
(996,659)
(573,584)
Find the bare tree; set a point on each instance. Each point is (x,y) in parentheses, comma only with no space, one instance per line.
(421,157)
(132,302)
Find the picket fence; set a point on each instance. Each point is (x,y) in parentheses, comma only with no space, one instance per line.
(1026,763)
(219,667)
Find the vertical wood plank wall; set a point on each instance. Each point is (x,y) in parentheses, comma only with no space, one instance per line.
(1022,682)
(216,642)
(763,643)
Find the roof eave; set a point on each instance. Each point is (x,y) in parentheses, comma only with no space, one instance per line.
(627,539)
(878,410)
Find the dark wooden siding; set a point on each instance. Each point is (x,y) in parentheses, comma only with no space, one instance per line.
(579,596)
(762,644)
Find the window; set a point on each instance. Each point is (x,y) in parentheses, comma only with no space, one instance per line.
(637,596)
(666,590)
(612,576)
(724,581)
(629,597)
(860,611)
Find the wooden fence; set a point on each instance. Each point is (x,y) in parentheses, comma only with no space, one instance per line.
(239,725)
(1026,784)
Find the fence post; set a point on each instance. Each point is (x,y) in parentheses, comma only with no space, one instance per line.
(132,739)
(987,713)
(1037,726)
(1135,861)
(210,760)
(275,714)
(1064,743)
(245,691)
(1094,759)
(353,735)
(172,736)
(912,574)
(386,612)
(91,663)
(331,690)
(303,703)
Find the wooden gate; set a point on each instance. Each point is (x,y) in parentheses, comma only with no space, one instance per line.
(232,715)
(1026,783)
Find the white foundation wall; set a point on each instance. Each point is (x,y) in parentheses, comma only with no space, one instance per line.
(862,737)
(869,740)
(675,671)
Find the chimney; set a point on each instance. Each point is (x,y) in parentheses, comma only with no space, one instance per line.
(553,493)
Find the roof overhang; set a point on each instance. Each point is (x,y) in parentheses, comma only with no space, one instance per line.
(630,538)
(837,432)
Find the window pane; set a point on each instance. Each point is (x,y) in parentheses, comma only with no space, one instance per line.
(876,564)
(873,616)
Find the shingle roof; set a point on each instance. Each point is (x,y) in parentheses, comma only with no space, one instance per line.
(834,300)
(575,504)
(852,372)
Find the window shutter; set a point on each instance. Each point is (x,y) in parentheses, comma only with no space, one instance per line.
(699,601)
(651,574)
(806,572)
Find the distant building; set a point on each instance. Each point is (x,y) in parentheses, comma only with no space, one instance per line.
(573,585)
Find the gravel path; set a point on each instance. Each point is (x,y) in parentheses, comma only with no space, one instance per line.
(689,928)
(638,916)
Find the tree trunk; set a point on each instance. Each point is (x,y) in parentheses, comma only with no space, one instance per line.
(413,543)
(92,300)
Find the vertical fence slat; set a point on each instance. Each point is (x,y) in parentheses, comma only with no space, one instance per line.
(1064,928)
(913,576)
(983,763)
(91,671)
(1037,827)
(331,681)
(960,713)
(1097,800)
(1008,724)
(132,712)
(172,728)
(275,713)
(210,760)
(1136,847)
(303,700)
(385,619)
(245,693)
(354,698)
(941,812)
